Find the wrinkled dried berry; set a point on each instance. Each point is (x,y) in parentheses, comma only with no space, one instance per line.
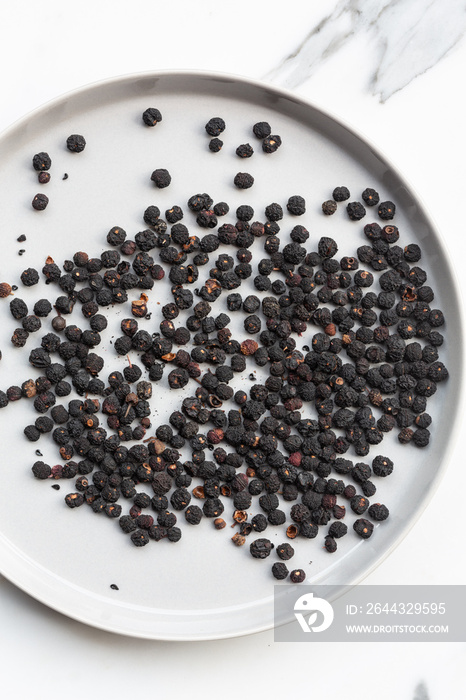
(151,116)
(76,143)
(243,181)
(261,548)
(40,202)
(161,178)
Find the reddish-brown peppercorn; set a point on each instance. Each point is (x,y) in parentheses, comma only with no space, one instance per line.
(215,436)
(249,347)
(329,500)
(238,539)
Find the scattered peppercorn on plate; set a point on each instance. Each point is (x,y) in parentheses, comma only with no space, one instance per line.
(225,354)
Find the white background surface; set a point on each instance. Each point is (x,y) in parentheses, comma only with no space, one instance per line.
(50,48)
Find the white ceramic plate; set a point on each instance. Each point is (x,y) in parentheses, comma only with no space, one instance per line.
(203,587)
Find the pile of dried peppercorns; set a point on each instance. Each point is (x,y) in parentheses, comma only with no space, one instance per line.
(371,364)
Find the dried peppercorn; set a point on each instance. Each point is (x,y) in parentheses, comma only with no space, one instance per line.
(238,539)
(151,215)
(215,126)
(297,576)
(42,308)
(74,500)
(40,202)
(378,511)
(213,507)
(76,143)
(139,538)
(243,181)
(174,534)
(363,528)
(32,433)
(43,178)
(116,236)
(355,211)
(271,143)
(19,337)
(151,116)
(245,150)
(215,145)
(337,529)
(261,130)
(41,161)
(296,205)
(193,515)
(29,278)
(279,571)
(274,212)
(285,551)
(412,253)
(261,548)
(161,178)
(329,207)
(340,194)
(386,210)
(359,504)
(206,219)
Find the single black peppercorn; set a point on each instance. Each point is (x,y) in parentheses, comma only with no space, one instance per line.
(261,548)
(245,150)
(363,528)
(378,511)
(297,576)
(386,210)
(215,145)
(41,161)
(161,178)
(279,571)
(243,181)
(330,544)
(296,205)
(76,143)
(370,197)
(285,551)
(151,116)
(271,143)
(40,202)
(215,126)
(261,130)
(355,211)
(139,538)
(340,194)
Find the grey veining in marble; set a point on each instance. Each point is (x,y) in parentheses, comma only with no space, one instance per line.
(401,38)
(420,692)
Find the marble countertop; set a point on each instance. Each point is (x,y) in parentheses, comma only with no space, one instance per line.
(392,69)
